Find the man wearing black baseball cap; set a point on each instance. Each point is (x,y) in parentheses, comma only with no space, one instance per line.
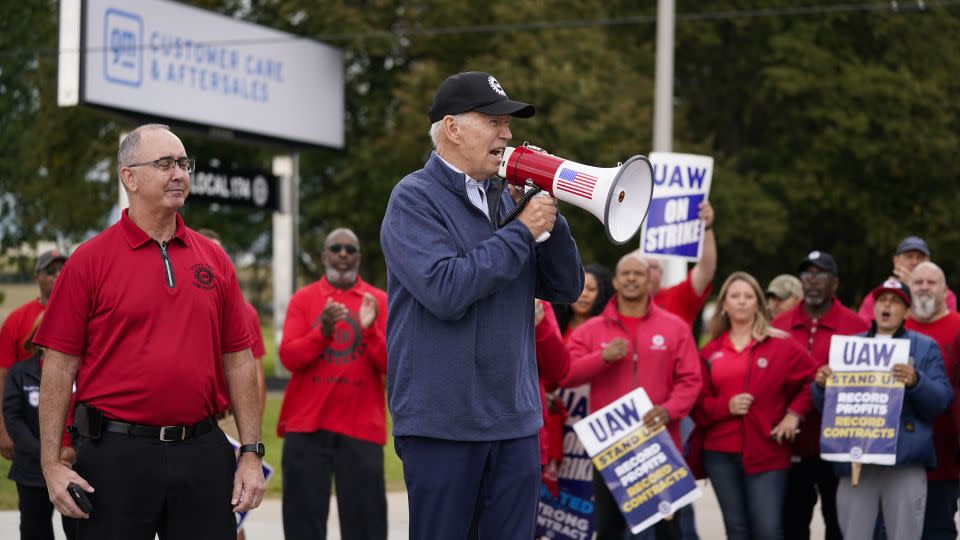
(813,323)
(18,326)
(462,377)
(910,252)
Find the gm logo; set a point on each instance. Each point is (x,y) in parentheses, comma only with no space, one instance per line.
(123,54)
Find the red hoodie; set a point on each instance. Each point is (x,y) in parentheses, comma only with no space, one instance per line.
(336,384)
(661,358)
(778,375)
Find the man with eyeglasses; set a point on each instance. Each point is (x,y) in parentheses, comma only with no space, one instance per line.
(333,417)
(18,326)
(146,317)
(813,323)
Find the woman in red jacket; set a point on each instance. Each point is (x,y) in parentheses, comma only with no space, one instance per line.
(756,388)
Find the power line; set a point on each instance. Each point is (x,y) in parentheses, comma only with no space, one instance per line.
(892,7)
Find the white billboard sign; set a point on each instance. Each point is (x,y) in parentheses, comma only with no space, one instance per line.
(177,62)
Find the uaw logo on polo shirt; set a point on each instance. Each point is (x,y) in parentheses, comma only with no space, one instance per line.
(762,362)
(658,343)
(348,344)
(203,277)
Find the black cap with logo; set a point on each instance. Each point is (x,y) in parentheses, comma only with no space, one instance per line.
(475,91)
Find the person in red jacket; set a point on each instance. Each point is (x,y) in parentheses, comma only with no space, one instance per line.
(755,391)
(553,363)
(812,324)
(930,315)
(633,344)
(333,416)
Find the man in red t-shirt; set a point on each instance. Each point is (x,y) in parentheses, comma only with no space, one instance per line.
(813,323)
(145,318)
(930,315)
(686,298)
(19,325)
(333,417)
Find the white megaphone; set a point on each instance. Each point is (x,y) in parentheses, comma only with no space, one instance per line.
(618,196)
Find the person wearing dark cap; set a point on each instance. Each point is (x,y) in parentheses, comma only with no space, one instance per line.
(783,294)
(813,323)
(19,325)
(462,375)
(911,251)
(900,491)
(20,403)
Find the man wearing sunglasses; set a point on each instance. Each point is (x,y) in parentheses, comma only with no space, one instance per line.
(813,323)
(18,326)
(333,417)
(147,318)
(462,378)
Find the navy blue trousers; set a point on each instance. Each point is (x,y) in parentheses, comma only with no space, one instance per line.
(477,490)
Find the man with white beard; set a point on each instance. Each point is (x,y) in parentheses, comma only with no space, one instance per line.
(931,316)
(333,416)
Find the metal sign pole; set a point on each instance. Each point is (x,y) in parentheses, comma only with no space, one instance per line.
(287,169)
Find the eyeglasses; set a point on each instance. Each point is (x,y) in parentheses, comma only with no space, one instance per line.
(187,164)
(337,248)
(822,277)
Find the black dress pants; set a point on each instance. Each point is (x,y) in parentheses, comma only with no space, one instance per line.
(806,479)
(178,490)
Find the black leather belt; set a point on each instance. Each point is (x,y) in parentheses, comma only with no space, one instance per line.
(164,433)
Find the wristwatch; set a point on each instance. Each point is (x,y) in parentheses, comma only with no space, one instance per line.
(257,448)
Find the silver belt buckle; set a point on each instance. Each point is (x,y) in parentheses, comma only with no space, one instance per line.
(163,433)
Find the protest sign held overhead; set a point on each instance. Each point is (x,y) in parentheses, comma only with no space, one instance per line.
(863,400)
(680,183)
(643,469)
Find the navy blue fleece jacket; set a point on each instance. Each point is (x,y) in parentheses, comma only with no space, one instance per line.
(461,363)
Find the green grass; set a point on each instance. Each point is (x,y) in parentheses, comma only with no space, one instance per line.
(393,470)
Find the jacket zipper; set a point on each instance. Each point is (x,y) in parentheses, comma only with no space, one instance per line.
(167,267)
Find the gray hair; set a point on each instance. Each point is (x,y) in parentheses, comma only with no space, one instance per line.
(131,144)
(941,277)
(437,127)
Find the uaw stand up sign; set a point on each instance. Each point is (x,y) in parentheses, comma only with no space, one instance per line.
(862,402)
(643,469)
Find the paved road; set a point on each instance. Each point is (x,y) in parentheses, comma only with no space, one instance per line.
(266,522)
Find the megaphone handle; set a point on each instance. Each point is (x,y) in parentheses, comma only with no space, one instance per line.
(521,204)
(543,237)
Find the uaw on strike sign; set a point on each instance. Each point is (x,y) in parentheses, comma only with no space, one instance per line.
(643,469)
(672,228)
(862,402)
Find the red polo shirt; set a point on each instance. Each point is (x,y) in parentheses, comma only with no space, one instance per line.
(728,376)
(944,331)
(814,336)
(150,342)
(15,331)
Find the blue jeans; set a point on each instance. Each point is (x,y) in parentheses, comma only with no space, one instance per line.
(752,505)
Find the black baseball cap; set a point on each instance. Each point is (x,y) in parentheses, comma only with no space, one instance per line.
(913,243)
(820,259)
(475,91)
